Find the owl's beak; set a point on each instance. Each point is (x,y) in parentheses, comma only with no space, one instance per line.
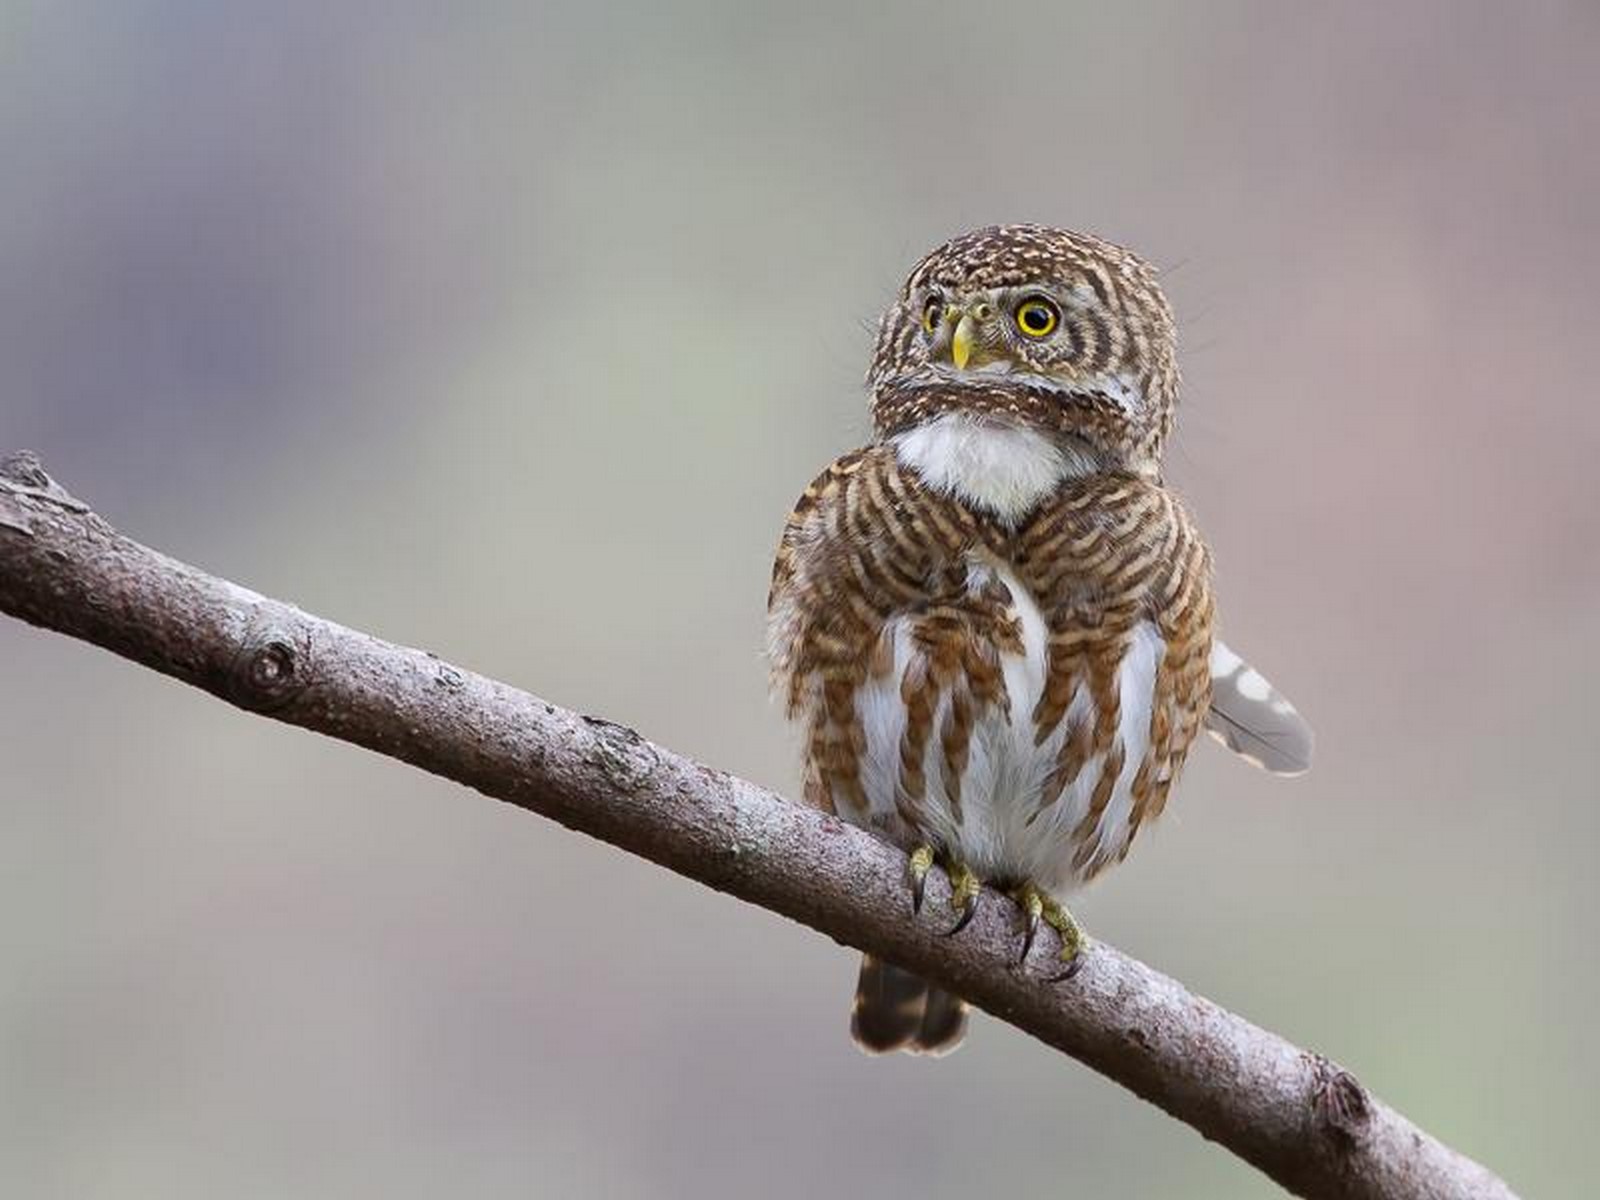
(961,341)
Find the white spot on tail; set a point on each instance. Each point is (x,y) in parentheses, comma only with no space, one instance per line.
(1253,685)
(1223,660)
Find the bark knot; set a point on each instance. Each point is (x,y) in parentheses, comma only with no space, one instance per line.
(625,758)
(1341,1104)
(22,474)
(23,467)
(271,668)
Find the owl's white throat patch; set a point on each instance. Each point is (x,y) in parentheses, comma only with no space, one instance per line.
(988,463)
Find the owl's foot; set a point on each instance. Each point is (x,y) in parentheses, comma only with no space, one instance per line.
(965,888)
(921,864)
(1036,906)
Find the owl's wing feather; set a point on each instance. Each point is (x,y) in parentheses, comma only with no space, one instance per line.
(1253,719)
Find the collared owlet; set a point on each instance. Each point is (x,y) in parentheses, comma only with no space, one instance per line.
(995,622)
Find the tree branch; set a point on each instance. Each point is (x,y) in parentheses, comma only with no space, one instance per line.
(1303,1120)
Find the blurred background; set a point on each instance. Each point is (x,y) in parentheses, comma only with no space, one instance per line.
(513,331)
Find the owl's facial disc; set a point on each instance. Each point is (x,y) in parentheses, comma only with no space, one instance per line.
(996,331)
(1029,326)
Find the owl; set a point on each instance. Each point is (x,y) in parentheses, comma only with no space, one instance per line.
(995,624)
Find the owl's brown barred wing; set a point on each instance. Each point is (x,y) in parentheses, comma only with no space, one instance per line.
(1183,607)
(1253,719)
(1123,579)
(866,543)
(805,525)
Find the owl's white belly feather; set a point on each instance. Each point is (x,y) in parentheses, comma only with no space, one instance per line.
(998,827)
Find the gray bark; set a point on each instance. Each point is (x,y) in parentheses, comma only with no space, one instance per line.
(1294,1114)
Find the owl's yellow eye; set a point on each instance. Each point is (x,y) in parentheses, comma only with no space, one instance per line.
(932,314)
(1037,318)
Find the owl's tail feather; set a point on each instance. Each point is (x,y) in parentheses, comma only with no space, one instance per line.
(896,1010)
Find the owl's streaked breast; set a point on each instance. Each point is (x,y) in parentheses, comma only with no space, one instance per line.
(1015,687)
(996,798)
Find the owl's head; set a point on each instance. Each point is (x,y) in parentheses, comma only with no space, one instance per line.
(1057,332)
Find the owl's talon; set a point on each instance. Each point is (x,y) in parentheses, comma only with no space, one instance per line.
(1031,901)
(969,911)
(921,863)
(1073,968)
(1037,906)
(965,888)
(1027,937)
